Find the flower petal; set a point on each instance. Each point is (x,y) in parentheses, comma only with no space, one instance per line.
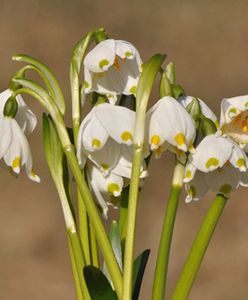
(196,189)
(100,58)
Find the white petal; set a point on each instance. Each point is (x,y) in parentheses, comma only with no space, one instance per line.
(223,180)
(107,157)
(196,189)
(212,153)
(189,172)
(118,121)
(25,117)
(238,158)
(170,122)
(100,58)
(92,134)
(5,134)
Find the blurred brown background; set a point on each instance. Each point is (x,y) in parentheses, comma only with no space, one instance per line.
(208,41)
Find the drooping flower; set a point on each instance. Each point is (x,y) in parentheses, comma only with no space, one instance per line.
(170,127)
(234,119)
(217,164)
(14,147)
(112,68)
(102,133)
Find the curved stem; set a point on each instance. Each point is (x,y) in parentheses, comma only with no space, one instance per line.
(198,249)
(159,284)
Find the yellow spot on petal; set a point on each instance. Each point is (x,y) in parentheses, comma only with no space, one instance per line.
(96,143)
(105,166)
(114,189)
(103,63)
(16,162)
(133,89)
(155,140)
(126,136)
(240,162)
(226,189)
(180,139)
(117,64)
(212,162)
(128,54)
(188,174)
(191,147)
(86,84)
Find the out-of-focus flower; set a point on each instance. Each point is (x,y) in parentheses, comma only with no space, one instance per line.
(14,147)
(234,119)
(170,127)
(217,164)
(112,68)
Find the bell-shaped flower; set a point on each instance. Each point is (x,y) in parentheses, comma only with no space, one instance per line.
(169,126)
(25,118)
(14,147)
(204,108)
(217,164)
(112,68)
(102,133)
(234,119)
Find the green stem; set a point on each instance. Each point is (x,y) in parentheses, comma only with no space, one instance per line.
(93,247)
(83,229)
(159,284)
(131,222)
(198,249)
(79,260)
(75,272)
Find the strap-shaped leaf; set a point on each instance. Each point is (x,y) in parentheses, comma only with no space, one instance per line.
(51,81)
(98,285)
(138,272)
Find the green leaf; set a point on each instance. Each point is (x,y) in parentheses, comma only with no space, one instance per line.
(49,78)
(164,86)
(115,241)
(98,285)
(138,272)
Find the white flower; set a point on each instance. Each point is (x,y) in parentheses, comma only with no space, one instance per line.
(111,68)
(25,118)
(14,147)
(217,164)
(170,126)
(234,119)
(102,133)
(205,109)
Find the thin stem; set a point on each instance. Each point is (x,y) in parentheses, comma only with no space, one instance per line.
(93,247)
(160,278)
(75,273)
(198,249)
(79,260)
(131,222)
(83,229)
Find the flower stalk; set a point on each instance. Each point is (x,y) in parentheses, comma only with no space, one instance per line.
(161,270)
(199,249)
